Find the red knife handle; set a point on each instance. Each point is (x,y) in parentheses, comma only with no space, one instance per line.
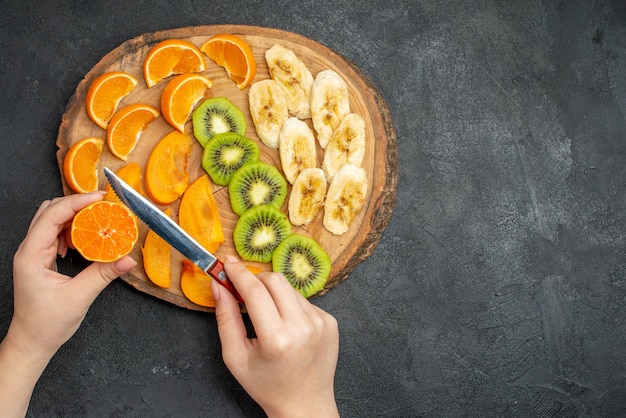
(218,273)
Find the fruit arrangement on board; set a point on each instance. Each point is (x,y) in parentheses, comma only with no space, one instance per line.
(292,112)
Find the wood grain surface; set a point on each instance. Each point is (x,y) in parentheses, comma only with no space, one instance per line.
(345,251)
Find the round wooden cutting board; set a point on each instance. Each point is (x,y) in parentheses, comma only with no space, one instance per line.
(345,251)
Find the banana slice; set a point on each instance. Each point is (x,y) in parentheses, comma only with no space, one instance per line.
(307,196)
(294,77)
(345,197)
(346,145)
(329,104)
(268,109)
(296,148)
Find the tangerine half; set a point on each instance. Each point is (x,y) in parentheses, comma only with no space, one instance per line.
(104,231)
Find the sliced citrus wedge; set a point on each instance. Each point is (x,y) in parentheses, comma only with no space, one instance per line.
(180,97)
(126,127)
(235,55)
(172,56)
(80,166)
(105,93)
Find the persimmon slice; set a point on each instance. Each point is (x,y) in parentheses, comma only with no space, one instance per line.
(166,175)
(131,174)
(156,258)
(198,214)
(196,285)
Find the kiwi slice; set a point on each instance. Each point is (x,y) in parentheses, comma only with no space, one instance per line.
(303,262)
(258,232)
(225,153)
(256,184)
(215,116)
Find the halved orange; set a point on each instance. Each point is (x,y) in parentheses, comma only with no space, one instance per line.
(235,55)
(166,176)
(80,166)
(172,56)
(156,258)
(126,127)
(180,96)
(104,231)
(105,93)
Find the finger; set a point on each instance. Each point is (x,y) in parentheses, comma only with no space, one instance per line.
(287,299)
(43,206)
(88,284)
(259,303)
(230,326)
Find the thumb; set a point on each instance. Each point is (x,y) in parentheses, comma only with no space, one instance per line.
(92,280)
(230,326)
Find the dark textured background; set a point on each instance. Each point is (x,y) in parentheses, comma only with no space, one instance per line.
(499,286)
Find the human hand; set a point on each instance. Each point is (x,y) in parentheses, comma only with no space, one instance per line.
(289,367)
(49,306)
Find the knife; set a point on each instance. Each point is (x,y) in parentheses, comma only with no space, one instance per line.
(171,232)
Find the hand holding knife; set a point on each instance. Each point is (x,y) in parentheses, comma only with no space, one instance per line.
(171,232)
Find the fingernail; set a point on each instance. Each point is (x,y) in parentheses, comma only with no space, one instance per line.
(125,264)
(215,288)
(231,258)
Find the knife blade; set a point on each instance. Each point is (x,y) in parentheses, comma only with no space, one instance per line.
(171,232)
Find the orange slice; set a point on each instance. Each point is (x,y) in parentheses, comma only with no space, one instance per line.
(235,55)
(166,175)
(131,174)
(126,127)
(180,97)
(198,214)
(105,93)
(156,258)
(80,166)
(104,231)
(172,56)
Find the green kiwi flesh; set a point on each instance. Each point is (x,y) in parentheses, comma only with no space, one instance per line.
(303,262)
(258,232)
(225,153)
(217,115)
(256,184)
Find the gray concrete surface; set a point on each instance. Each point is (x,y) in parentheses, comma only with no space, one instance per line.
(499,286)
